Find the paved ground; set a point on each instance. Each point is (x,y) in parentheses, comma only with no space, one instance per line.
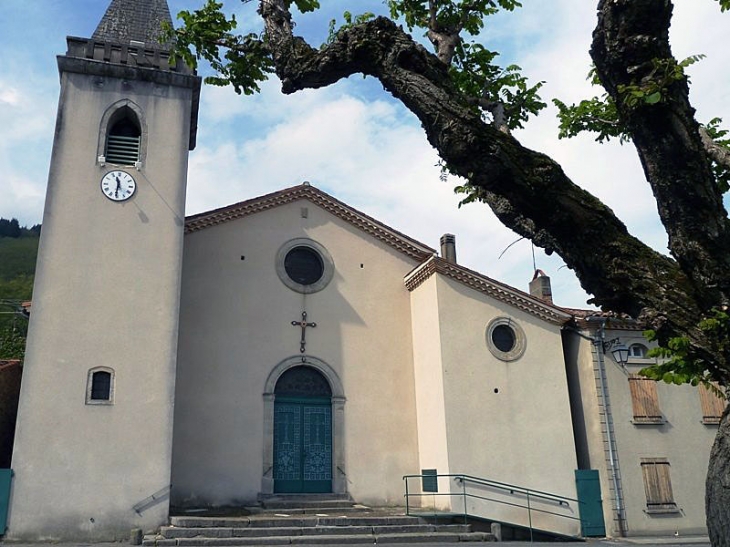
(688,541)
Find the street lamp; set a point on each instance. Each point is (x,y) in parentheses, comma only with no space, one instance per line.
(619,351)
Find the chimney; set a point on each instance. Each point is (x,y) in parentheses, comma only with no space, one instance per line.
(540,287)
(448,248)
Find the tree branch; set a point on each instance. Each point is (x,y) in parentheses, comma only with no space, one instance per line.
(719,154)
(629,37)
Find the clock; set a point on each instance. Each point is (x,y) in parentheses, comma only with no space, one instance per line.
(118,185)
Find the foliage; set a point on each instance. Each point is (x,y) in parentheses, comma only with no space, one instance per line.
(12,342)
(599,114)
(679,363)
(17,258)
(719,136)
(467,14)
(652,88)
(476,76)
(241,61)
(17,265)
(350,21)
(12,228)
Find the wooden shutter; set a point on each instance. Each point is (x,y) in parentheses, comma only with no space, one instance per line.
(712,405)
(657,484)
(644,400)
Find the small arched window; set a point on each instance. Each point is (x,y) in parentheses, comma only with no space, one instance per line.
(123,141)
(100,386)
(637,351)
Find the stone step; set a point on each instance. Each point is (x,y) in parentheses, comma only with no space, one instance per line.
(262,521)
(306,501)
(436,537)
(172,532)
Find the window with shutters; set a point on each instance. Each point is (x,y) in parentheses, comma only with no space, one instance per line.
(100,386)
(658,486)
(712,404)
(644,400)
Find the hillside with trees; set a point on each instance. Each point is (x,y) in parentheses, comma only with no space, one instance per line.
(18,251)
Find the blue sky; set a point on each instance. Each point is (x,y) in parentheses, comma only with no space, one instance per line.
(352,139)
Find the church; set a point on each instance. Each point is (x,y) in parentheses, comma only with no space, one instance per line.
(291,344)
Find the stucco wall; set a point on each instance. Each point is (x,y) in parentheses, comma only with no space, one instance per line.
(682,439)
(505,421)
(236,327)
(106,294)
(431,405)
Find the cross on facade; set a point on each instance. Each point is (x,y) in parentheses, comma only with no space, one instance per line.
(303,324)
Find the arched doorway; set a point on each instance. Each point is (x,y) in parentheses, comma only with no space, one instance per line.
(302,432)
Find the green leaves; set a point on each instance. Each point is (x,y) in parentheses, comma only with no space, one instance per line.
(719,136)
(652,88)
(350,21)
(477,76)
(724,5)
(680,364)
(242,61)
(597,115)
(454,15)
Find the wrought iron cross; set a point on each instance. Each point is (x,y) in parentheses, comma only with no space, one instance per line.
(303,324)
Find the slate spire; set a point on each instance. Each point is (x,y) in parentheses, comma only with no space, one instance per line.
(138,20)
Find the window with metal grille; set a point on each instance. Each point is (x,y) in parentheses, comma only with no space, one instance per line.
(645,400)
(123,142)
(657,485)
(712,403)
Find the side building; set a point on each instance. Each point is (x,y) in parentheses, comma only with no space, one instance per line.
(650,441)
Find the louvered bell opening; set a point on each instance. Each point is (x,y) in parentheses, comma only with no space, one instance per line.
(122,150)
(123,140)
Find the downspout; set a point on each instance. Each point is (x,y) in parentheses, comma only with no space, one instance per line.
(598,341)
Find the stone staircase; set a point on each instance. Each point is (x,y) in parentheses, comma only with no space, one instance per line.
(286,520)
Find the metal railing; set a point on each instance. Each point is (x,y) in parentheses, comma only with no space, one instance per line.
(485,490)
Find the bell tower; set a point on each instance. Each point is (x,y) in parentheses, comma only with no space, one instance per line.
(94,437)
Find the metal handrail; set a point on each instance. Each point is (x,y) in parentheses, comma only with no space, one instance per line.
(512,489)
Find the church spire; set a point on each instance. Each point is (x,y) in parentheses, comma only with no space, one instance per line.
(138,20)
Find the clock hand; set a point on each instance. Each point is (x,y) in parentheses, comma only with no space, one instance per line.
(119,185)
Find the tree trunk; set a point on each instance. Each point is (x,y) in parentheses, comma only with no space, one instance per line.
(717,487)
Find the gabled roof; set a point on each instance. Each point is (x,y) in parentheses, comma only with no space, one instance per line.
(139,20)
(367,224)
(482,283)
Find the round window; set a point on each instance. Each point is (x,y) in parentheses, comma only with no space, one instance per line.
(304,265)
(505,339)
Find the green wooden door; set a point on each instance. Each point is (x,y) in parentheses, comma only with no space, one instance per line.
(588,486)
(302,445)
(6,476)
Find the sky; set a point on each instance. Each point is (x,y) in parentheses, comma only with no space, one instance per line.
(355,141)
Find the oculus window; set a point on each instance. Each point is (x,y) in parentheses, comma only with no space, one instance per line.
(506,339)
(304,265)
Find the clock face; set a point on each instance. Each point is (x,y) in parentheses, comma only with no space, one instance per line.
(118,185)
